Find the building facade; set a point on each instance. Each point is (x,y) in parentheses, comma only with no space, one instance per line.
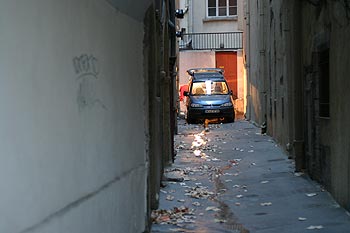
(210,35)
(83,84)
(297,77)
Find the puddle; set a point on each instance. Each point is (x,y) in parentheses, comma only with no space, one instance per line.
(225,213)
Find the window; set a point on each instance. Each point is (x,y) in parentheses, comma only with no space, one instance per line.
(209,88)
(221,8)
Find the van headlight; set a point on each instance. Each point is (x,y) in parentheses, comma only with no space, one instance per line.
(229,104)
(196,105)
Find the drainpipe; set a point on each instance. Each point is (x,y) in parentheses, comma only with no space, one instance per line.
(298,150)
(262,66)
(166,88)
(248,42)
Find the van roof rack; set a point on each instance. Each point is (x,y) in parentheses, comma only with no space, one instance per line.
(204,70)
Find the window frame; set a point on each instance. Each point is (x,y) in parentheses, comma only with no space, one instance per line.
(217,7)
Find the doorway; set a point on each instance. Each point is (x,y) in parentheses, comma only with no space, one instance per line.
(228,62)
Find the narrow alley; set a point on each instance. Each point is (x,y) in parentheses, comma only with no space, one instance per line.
(92,93)
(234,179)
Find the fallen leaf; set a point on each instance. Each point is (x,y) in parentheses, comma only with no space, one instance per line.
(311,194)
(189,220)
(196,203)
(212,208)
(314,227)
(164,218)
(169,198)
(298,174)
(178,230)
(220,220)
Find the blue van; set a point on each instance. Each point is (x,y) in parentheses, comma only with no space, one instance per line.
(208,96)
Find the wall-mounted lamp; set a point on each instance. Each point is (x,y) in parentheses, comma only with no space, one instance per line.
(178,33)
(179,13)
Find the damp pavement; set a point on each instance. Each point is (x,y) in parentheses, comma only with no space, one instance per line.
(233,179)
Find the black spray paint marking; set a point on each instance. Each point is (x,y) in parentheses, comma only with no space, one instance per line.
(86,65)
(87,69)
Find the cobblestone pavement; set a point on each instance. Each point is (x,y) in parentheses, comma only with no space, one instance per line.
(233,179)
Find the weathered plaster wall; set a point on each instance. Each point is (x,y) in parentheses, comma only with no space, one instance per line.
(326,27)
(72,128)
(186,21)
(287,46)
(271,50)
(254,108)
(196,20)
(339,103)
(239,102)
(194,59)
(240,18)
(204,24)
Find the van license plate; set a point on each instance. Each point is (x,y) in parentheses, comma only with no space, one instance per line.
(212,111)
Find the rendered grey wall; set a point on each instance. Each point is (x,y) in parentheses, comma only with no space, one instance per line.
(272,63)
(72,125)
(339,107)
(253,64)
(133,8)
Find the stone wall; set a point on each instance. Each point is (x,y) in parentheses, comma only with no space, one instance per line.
(297,70)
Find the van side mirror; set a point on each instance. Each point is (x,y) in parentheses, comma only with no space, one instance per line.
(186,93)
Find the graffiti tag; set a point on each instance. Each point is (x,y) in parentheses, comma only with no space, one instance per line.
(87,70)
(86,65)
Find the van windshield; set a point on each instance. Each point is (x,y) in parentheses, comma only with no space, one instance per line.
(209,88)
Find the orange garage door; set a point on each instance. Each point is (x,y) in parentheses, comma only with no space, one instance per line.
(228,62)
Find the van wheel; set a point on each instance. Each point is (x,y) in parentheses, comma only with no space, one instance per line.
(190,120)
(230,119)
